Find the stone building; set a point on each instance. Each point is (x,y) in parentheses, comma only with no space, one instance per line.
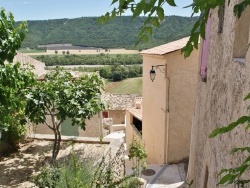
(25,60)
(115,106)
(224,82)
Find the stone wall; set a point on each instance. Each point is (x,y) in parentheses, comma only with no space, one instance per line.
(219,102)
(112,163)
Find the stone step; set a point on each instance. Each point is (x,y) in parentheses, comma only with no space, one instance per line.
(118,127)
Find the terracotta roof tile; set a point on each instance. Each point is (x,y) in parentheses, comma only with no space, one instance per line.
(136,112)
(39,67)
(166,48)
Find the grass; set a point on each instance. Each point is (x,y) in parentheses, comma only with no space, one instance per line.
(128,86)
(25,50)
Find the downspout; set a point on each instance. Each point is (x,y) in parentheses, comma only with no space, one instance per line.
(166,119)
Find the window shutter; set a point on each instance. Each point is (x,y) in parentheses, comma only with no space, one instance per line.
(205,49)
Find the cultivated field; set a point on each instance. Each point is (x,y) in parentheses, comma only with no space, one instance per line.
(128,86)
(83,52)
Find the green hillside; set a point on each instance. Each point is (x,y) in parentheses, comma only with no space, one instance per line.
(128,86)
(118,33)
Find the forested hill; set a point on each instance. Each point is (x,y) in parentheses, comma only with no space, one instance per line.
(120,32)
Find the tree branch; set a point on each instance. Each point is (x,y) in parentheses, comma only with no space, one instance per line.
(49,125)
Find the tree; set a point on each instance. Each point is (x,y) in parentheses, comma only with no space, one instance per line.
(13,81)
(62,96)
(155,15)
(11,37)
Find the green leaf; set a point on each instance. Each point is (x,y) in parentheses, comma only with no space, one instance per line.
(114,1)
(227,178)
(234,150)
(171,2)
(160,13)
(247,97)
(230,127)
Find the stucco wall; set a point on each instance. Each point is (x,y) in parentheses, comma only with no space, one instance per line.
(118,116)
(183,74)
(168,105)
(92,128)
(154,110)
(219,102)
(131,132)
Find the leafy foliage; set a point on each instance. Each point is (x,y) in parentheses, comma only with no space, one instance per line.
(118,33)
(61,96)
(155,16)
(233,175)
(13,82)
(72,172)
(138,155)
(11,37)
(100,59)
(119,72)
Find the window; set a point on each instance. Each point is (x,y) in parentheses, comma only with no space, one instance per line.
(105,114)
(241,39)
(205,49)
(138,124)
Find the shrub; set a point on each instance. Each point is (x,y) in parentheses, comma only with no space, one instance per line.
(71,172)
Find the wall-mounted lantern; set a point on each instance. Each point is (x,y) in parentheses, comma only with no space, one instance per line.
(152,73)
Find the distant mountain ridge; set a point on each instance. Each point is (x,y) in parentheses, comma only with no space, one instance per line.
(118,33)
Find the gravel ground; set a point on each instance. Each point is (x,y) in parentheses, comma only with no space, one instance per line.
(17,168)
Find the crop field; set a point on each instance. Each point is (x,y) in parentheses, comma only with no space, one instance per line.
(128,86)
(80,52)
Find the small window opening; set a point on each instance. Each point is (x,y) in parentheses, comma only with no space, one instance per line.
(105,114)
(138,124)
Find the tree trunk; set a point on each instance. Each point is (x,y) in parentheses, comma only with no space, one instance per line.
(54,146)
(58,141)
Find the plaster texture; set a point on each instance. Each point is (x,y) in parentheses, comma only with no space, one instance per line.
(168,104)
(220,100)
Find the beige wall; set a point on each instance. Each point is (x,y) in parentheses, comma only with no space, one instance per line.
(183,74)
(167,120)
(118,116)
(154,110)
(219,102)
(92,128)
(131,132)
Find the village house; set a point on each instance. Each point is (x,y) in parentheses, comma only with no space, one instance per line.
(93,125)
(224,82)
(169,91)
(38,67)
(115,106)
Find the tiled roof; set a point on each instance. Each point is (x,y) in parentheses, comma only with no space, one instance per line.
(118,101)
(166,48)
(136,112)
(39,67)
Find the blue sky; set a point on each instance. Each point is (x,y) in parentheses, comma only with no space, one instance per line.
(53,9)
